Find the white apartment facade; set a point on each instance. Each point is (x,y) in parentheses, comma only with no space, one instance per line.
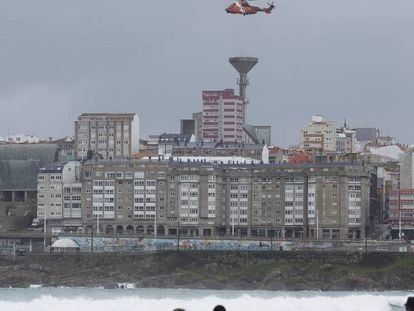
(59,196)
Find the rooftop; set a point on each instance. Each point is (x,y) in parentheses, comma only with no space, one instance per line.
(18,174)
(107,114)
(19,164)
(220,145)
(53,168)
(43,153)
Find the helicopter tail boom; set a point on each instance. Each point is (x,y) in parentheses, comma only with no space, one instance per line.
(270,8)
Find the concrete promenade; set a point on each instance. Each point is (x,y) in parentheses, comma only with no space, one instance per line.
(36,242)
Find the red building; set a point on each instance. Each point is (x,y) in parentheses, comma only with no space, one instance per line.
(223,113)
(402,207)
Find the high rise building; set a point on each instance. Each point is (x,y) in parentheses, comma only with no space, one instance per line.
(198,125)
(223,116)
(106,135)
(319,134)
(406,161)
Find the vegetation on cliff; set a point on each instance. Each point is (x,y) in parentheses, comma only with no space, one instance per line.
(215,270)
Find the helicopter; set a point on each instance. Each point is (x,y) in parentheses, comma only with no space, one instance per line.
(243,7)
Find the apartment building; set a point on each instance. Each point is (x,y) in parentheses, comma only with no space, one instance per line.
(223,116)
(401,204)
(106,135)
(59,194)
(159,197)
(345,140)
(319,134)
(218,149)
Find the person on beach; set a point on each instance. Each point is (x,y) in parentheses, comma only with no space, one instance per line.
(409,305)
(219,308)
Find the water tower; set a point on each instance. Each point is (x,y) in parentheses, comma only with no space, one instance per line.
(243,65)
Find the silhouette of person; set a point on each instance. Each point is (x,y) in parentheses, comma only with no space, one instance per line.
(219,308)
(409,305)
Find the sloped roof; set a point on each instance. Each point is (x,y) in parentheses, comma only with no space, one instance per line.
(65,243)
(248,129)
(44,153)
(53,167)
(392,152)
(300,158)
(18,174)
(144,154)
(19,164)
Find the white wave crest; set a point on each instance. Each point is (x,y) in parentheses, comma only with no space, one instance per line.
(115,300)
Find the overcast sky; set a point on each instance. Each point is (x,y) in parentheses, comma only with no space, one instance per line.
(350,59)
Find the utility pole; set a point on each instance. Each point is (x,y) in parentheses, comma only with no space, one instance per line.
(44,228)
(271,237)
(399,213)
(92,237)
(317,224)
(14,248)
(178,232)
(232,221)
(97,220)
(155,222)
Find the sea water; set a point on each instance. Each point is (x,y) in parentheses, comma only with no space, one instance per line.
(131,299)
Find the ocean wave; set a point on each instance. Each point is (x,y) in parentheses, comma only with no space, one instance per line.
(158,300)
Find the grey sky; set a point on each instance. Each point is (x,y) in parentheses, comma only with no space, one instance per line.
(348,59)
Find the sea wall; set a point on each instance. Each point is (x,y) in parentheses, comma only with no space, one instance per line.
(105,244)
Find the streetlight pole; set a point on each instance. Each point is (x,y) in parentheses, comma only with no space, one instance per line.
(155,222)
(92,236)
(232,221)
(97,220)
(44,228)
(317,224)
(271,237)
(178,232)
(399,213)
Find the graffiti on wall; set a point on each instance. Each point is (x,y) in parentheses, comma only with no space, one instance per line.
(107,244)
(137,245)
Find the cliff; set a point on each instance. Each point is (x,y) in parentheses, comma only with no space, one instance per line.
(215,270)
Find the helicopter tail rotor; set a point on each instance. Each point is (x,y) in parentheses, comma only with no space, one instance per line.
(270,8)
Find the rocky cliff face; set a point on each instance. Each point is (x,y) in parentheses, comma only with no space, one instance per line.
(215,270)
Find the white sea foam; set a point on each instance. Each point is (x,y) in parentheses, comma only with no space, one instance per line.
(158,300)
(126,285)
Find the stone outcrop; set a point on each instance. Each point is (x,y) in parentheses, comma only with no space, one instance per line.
(215,270)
